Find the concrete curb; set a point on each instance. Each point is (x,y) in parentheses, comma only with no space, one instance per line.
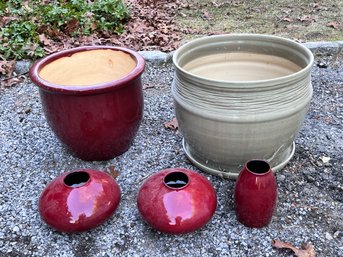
(324,48)
(157,57)
(160,58)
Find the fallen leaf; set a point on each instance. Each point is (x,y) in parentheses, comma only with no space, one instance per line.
(7,67)
(306,18)
(333,24)
(207,16)
(173,124)
(305,251)
(6,20)
(218,5)
(287,19)
(44,40)
(71,26)
(113,171)
(147,86)
(12,81)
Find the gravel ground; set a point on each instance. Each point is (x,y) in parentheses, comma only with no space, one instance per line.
(310,205)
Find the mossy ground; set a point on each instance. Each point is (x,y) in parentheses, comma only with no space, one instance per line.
(303,20)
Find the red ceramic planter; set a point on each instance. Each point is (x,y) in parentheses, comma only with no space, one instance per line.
(79,200)
(177,201)
(96,122)
(255,194)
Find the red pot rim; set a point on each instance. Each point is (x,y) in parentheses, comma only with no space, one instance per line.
(176,170)
(76,171)
(267,167)
(89,89)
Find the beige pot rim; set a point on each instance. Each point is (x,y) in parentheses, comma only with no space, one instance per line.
(220,41)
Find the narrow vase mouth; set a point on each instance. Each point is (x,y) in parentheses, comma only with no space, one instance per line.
(258,167)
(176,180)
(94,88)
(250,43)
(76,179)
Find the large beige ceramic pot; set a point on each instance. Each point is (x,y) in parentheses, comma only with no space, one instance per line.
(241,97)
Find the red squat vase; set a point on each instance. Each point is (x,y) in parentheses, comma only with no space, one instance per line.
(79,200)
(177,201)
(255,194)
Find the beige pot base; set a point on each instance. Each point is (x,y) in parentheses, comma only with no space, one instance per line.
(233,174)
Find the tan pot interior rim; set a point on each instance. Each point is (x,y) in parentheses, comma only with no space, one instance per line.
(194,45)
(97,88)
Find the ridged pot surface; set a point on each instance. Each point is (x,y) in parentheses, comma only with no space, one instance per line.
(79,200)
(255,194)
(177,201)
(95,122)
(225,123)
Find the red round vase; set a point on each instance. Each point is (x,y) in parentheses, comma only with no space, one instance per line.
(79,200)
(255,194)
(177,201)
(95,122)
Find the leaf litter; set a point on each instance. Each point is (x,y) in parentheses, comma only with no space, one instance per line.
(173,124)
(151,27)
(306,250)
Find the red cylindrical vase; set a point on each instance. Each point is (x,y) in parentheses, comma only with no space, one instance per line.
(177,201)
(255,194)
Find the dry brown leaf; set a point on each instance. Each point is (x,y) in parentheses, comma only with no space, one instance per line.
(333,24)
(71,25)
(287,19)
(173,124)
(113,171)
(44,40)
(6,20)
(12,81)
(148,85)
(306,18)
(7,67)
(305,251)
(218,5)
(207,16)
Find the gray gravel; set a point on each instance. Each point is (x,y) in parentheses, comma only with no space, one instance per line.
(310,205)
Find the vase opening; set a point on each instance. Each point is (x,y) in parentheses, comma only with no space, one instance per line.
(76,179)
(258,166)
(176,180)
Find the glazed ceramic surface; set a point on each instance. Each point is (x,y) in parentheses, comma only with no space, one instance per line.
(255,194)
(225,123)
(79,200)
(177,201)
(95,122)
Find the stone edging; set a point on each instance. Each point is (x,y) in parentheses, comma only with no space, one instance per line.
(160,58)
(325,48)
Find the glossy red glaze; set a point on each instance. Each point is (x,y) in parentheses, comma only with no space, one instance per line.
(177,209)
(95,122)
(255,194)
(76,202)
